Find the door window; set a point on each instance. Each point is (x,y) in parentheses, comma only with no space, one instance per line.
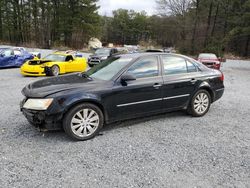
(69,58)
(144,68)
(174,65)
(191,67)
(17,52)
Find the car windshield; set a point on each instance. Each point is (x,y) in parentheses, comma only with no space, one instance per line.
(102,51)
(208,56)
(55,57)
(108,69)
(6,52)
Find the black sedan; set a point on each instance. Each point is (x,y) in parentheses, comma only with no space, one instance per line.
(123,87)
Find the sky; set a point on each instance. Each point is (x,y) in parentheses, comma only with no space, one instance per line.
(138,5)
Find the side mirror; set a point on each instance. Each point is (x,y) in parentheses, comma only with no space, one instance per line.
(127,77)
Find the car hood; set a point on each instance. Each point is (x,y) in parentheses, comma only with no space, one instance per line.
(46,87)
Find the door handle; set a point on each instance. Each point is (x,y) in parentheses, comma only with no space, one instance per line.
(157,86)
(193,80)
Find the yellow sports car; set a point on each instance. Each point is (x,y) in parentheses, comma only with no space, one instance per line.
(53,65)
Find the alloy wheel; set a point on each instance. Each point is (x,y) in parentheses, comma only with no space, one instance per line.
(55,70)
(201,103)
(85,122)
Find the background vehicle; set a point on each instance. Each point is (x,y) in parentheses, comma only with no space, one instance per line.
(53,65)
(13,57)
(123,87)
(210,60)
(101,55)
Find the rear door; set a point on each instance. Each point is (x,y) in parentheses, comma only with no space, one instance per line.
(142,95)
(179,77)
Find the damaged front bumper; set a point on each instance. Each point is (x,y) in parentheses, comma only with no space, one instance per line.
(42,120)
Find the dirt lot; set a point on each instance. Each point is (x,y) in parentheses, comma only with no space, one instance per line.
(169,150)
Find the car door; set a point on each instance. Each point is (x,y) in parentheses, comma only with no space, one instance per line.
(70,64)
(9,57)
(143,95)
(18,58)
(179,81)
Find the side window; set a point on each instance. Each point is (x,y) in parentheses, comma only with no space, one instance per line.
(191,67)
(146,67)
(69,58)
(174,65)
(17,52)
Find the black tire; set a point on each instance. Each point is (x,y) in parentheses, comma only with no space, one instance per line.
(194,106)
(72,114)
(53,71)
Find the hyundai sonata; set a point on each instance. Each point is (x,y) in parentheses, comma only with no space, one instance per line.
(123,87)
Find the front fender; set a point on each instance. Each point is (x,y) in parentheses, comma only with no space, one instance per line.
(63,104)
(61,66)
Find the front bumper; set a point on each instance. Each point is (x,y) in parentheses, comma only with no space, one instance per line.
(34,71)
(41,119)
(93,63)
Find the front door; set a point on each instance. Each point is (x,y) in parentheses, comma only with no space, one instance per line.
(140,96)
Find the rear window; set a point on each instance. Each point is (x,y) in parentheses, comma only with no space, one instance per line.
(208,56)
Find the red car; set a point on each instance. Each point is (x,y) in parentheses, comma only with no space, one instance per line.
(210,60)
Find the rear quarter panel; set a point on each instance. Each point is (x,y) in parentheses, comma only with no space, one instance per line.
(82,63)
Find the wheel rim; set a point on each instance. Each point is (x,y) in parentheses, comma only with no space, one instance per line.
(85,122)
(201,103)
(55,71)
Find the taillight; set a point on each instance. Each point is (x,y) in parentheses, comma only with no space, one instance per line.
(222,77)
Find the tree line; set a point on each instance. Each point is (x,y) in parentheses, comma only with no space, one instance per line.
(191,26)
(48,22)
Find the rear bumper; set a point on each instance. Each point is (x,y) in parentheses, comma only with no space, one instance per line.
(218,93)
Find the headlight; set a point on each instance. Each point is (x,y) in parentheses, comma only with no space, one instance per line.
(104,58)
(37,104)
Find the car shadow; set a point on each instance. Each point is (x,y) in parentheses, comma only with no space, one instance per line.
(135,121)
(4,68)
(60,135)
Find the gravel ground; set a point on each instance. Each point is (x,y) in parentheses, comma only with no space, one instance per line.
(169,150)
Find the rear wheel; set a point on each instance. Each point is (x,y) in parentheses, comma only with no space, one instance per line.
(200,103)
(83,121)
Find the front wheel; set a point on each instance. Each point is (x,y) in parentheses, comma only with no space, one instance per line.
(200,103)
(83,121)
(53,71)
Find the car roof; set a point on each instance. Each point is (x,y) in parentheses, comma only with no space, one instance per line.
(144,54)
(61,53)
(207,53)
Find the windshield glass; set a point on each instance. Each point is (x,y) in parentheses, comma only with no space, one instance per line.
(108,69)
(55,57)
(6,52)
(102,51)
(208,56)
